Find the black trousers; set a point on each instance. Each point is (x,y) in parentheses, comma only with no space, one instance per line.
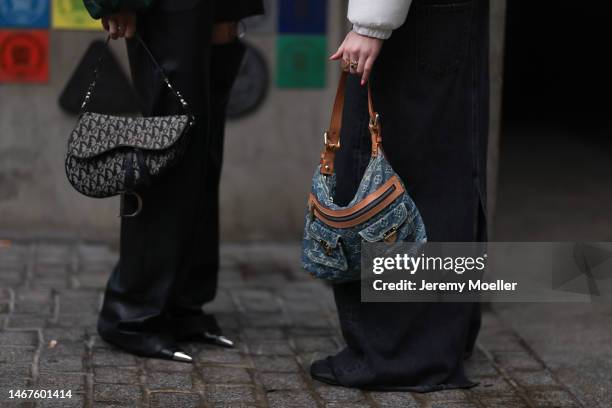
(430,86)
(169,253)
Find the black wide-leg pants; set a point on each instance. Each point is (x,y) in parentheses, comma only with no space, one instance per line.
(430,86)
(169,253)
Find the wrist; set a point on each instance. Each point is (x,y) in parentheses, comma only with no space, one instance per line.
(378,33)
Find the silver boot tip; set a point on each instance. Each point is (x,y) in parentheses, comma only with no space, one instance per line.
(180,356)
(219,339)
(225,341)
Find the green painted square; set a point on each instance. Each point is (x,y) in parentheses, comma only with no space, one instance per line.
(301,61)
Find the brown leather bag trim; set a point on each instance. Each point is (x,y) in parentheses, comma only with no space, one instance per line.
(363,218)
(328,155)
(320,211)
(363,203)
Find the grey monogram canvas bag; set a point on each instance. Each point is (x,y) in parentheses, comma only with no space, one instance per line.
(381,210)
(110,155)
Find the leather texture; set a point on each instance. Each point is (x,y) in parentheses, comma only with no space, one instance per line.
(332,136)
(234,10)
(227,10)
(100,8)
(381,210)
(365,209)
(176,5)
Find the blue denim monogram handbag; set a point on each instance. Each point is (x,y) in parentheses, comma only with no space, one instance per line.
(381,210)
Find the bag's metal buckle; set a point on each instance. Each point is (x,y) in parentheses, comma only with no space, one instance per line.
(122,214)
(374,122)
(326,142)
(327,248)
(390,236)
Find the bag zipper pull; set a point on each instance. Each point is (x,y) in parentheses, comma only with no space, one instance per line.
(391,235)
(327,248)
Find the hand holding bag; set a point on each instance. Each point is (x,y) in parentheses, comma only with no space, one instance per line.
(381,210)
(110,155)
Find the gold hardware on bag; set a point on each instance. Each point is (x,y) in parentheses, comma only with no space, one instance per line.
(375,133)
(374,122)
(327,248)
(331,146)
(390,236)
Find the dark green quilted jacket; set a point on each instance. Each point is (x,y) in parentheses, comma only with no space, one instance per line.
(225,10)
(99,8)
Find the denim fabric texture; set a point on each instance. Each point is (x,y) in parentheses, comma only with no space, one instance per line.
(335,253)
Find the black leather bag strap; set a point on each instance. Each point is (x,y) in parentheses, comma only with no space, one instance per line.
(94,82)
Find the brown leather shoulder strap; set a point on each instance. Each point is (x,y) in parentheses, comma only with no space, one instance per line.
(333,133)
(332,136)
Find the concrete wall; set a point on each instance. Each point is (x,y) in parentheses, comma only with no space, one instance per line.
(34,193)
(270,155)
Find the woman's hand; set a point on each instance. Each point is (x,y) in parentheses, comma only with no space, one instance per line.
(358,54)
(120,25)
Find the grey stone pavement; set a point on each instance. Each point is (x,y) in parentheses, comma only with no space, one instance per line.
(51,291)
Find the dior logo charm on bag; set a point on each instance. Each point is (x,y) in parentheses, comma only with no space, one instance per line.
(115,155)
(381,210)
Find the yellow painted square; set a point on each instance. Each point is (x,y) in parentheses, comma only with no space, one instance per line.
(72,15)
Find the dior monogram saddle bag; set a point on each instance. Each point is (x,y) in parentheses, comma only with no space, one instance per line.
(116,155)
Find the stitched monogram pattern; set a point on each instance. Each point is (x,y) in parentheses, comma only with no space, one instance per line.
(335,253)
(96,133)
(103,151)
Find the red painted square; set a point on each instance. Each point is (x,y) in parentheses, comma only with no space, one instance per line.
(24,56)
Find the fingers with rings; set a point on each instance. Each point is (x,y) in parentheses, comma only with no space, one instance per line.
(345,65)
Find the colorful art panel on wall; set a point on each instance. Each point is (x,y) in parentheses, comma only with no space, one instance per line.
(72,15)
(302,16)
(24,13)
(301,61)
(24,56)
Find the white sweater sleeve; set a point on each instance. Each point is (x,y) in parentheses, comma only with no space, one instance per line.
(377,18)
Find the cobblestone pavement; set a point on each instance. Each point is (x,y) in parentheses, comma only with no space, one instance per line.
(50,292)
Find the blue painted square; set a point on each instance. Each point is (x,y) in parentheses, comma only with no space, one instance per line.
(302,16)
(24,13)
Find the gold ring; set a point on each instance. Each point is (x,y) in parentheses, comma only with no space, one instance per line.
(345,64)
(354,64)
